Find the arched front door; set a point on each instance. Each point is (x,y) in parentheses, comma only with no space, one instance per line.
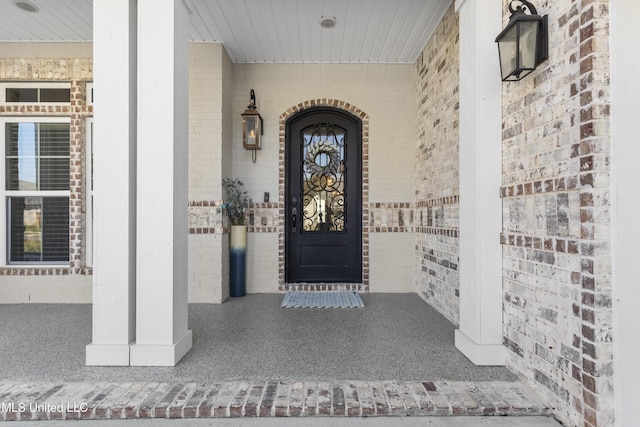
(323,191)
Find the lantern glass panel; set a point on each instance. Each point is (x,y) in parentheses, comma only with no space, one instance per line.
(507,48)
(251,131)
(528,43)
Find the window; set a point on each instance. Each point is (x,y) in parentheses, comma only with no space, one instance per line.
(36,190)
(20,93)
(89,187)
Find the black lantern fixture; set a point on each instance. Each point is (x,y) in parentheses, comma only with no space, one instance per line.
(524,43)
(252,127)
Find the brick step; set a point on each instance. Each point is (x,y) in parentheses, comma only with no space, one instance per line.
(41,401)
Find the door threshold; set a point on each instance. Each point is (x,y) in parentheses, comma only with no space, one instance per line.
(309,286)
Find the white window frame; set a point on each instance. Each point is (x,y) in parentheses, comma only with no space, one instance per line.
(4,194)
(89,192)
(89,93)
(32,85)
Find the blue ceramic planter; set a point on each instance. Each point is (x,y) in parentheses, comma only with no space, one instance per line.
(238,261)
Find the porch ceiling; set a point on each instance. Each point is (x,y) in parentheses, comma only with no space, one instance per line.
(279,31)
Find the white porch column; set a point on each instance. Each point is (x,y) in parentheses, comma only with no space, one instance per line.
(480,334)
(625,176)
(114,59)
(162,336)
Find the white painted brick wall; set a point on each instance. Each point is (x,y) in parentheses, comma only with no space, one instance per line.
(205,268)
(262,257)
(67,289)
(205,121)
(391,262)
(280,87)
(208,275)
(385,92)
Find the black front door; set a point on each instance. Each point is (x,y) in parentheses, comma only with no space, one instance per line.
(323,238)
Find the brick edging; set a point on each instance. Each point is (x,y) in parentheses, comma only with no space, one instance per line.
(41,401)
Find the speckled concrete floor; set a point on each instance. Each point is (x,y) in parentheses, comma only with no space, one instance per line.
(395,337)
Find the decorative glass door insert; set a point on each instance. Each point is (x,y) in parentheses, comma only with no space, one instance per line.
(323,174)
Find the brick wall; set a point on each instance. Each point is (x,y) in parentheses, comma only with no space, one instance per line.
(46,284)
(436,170)
(556,227)
(382,90)
(205,121)
(556,237)
(43,283)
(556,144)
(205,173)
(214,99)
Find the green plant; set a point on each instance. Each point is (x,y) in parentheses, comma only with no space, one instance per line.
(237,201)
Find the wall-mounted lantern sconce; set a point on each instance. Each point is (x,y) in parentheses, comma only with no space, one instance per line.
(252,127)
(524,43)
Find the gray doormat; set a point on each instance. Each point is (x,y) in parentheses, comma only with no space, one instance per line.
(322,299)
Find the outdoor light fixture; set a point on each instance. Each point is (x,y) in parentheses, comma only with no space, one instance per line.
(26,6)
(524,43)
(252,127)
(328,22)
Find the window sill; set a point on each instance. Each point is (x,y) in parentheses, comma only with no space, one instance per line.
(44,270)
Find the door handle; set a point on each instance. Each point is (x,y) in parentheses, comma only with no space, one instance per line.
(294,213)
(294,218)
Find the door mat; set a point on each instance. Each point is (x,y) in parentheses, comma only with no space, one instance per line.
(324,299)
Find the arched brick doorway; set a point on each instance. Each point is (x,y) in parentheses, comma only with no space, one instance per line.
(364,118)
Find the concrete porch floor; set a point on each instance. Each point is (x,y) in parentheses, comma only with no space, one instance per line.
(396,356)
